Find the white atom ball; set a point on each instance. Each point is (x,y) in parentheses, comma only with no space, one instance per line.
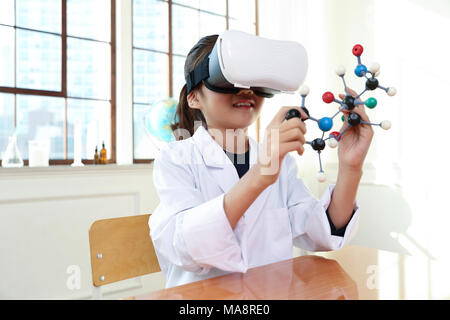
(304,90)
(391,91)
(340,70)
(332,143)
(386,124)
(377,73)
(321,177)
(374,68)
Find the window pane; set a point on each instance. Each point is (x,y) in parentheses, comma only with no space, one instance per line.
(42,15)
(178,75)
(94,118)
(242,10)
(211,24)
(6,120)
(7,12)
(40,118)
(144,147)
(242,26)
(150,25)
(190,3)
(88,69)
(38,60)
(89,19)
(7,56)
(151,78)
(217,6)
(184,19)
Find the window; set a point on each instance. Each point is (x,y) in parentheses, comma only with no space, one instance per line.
(57,66)
(163,34)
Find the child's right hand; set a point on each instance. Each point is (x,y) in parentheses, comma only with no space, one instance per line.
(281,136)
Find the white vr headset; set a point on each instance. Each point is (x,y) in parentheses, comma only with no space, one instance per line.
(241,60)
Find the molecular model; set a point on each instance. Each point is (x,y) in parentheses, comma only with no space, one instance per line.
(348,103)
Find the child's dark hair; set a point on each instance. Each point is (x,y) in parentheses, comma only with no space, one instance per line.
(184,115)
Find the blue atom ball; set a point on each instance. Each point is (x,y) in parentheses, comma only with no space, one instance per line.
(360,70)
(325,124)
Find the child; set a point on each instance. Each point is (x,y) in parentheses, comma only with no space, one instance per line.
(218,215)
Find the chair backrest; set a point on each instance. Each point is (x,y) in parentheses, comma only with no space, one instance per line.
(121,248)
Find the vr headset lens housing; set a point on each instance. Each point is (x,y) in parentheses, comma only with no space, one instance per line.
(235,90)
(244,61)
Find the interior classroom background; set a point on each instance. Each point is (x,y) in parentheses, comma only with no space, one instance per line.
(123,56)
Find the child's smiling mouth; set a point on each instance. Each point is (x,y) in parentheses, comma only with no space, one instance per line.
(246,104)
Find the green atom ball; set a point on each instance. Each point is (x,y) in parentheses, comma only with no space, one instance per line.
(343,118)
(371,103)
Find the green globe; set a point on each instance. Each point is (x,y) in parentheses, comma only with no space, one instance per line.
(159,117)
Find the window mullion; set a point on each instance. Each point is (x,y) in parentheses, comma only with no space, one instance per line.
(112,97)
(15,67)
(256,19)
(15,46)
(64,72)
(64,48)
(258,121)
(170,50)
(227,19)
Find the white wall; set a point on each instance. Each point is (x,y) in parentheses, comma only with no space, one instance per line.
(46,214)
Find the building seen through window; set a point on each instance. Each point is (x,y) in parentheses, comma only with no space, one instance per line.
(55,62)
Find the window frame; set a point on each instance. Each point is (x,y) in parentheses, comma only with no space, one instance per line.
(63,92)
(171,54)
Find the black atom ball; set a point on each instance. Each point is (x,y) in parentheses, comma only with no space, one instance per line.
(354,119)
(371,84)
(305,111)
(349,101)
(318,144)
(293,113)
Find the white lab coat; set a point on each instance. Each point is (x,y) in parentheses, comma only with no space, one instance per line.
(190,231)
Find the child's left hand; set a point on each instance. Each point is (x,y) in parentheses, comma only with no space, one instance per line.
(355,142)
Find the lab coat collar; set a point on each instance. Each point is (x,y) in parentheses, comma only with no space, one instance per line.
(220,166)
(212,152)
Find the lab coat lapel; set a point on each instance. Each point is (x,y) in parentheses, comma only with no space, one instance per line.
(222,169)
(217,162)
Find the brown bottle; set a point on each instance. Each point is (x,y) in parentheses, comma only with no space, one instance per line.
(96,161)
(103,158)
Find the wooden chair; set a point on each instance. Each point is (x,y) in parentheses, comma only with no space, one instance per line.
(121,248)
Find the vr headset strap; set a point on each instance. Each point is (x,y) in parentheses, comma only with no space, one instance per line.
(200,72)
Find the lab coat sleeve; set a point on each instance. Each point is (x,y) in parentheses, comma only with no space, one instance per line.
(186,230)
(309,222)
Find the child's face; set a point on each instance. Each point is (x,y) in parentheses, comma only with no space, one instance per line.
(226,110)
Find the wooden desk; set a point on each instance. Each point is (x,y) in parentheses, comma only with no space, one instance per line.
(350,273)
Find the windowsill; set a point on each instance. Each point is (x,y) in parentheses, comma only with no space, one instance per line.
(68,169)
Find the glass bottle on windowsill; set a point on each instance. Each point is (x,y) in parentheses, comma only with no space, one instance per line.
(103,158)
(96,160)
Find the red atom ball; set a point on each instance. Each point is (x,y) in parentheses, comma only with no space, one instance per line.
(328,97)
(357,50)
(336,134)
